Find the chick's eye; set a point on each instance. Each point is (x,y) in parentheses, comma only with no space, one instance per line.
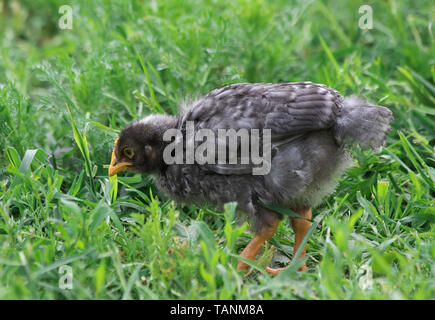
(128,152)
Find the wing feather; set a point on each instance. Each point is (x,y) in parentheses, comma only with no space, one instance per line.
(288,109)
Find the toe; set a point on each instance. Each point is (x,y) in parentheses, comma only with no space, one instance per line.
(273,271)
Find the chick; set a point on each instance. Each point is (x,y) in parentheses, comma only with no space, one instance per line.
(304,130)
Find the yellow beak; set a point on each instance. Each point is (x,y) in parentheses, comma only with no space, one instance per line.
(116,167)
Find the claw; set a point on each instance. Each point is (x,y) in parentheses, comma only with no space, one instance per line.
(275,271)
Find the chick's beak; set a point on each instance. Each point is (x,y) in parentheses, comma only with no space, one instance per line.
(115,166)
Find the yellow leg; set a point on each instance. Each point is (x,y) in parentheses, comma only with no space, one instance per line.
(300,228)
(254,246)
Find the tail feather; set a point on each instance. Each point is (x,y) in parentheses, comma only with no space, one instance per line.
(362,123)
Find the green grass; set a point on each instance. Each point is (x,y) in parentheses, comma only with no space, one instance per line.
(65,95)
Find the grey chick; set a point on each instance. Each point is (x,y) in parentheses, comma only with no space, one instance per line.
(309,125)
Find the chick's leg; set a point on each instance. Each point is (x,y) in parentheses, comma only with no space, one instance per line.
(300,227)
(254,246)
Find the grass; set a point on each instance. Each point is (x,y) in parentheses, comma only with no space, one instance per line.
(66,94)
